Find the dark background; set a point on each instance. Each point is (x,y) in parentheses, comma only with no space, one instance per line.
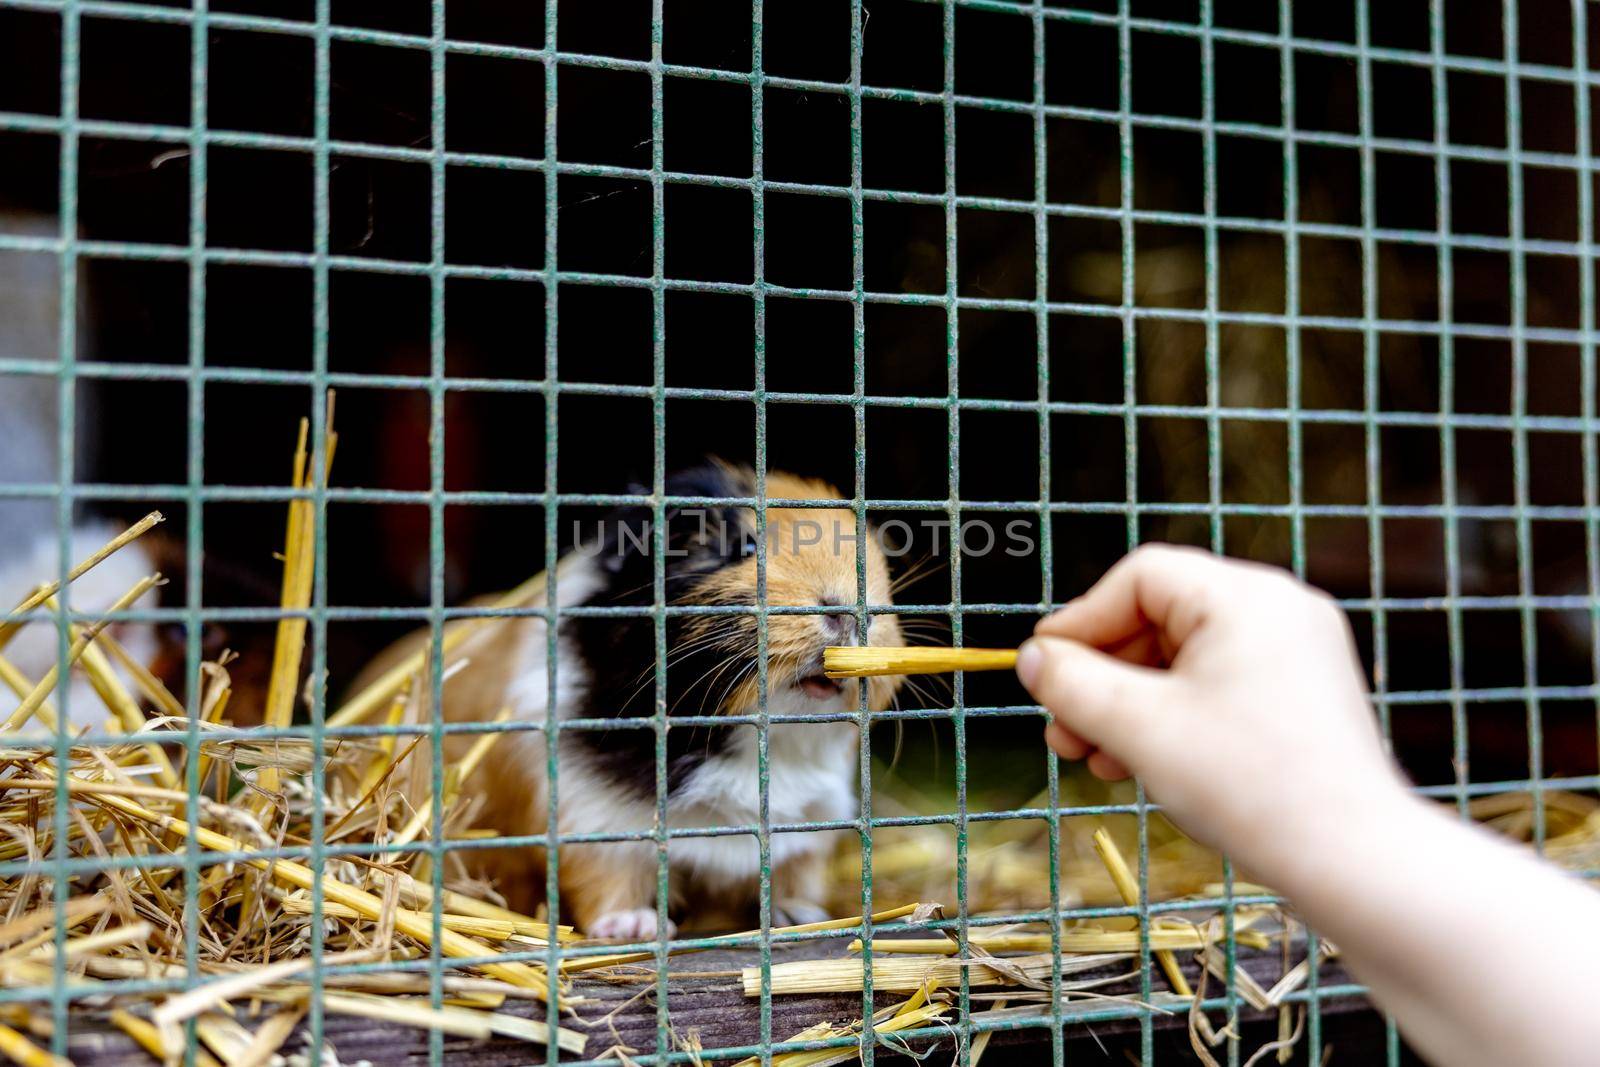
(259,316)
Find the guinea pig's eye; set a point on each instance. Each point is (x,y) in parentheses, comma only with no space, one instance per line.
(747,544)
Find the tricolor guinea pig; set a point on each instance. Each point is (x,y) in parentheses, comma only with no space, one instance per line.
(606,666)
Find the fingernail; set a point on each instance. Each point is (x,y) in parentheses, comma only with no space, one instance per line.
(1029,658)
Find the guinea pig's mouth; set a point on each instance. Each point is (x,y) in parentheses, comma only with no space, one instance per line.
(818,686)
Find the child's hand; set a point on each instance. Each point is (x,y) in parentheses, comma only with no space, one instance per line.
(1231,689)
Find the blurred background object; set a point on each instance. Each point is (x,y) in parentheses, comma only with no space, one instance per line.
(30,319)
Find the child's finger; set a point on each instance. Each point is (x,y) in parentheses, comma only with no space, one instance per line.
(1099,698)
(1145,649)
(1149,587)
(1106,766)
(1064,742)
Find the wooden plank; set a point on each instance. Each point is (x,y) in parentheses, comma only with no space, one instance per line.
(705,996)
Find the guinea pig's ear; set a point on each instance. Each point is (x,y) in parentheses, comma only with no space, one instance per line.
(704,534)
(713,478)
(625,538)
(695,533)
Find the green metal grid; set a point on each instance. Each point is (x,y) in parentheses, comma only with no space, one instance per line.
(71,251)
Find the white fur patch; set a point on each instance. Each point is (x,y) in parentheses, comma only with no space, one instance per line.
(811,771)
(529,692)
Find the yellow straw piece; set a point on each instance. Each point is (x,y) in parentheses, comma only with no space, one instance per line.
(589,963)
(1077,940)
(852,662)
(148,1038)
(493,929)
(25,1052)
(424,815)
(287,651)
(1128,888)
(907,974)
(115,696)
(22,685)
(31,704)
(12,623)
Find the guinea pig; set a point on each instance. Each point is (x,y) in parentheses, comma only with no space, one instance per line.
(606,670)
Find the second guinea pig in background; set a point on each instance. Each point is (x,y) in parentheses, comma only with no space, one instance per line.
(606,670)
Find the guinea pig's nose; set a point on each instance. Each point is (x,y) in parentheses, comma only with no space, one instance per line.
(840,623)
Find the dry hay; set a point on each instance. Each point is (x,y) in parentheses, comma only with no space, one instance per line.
(130,814)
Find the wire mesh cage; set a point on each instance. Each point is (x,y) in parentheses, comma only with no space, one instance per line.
(1308,285)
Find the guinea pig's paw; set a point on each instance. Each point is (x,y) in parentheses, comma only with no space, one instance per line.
(798,913)
(637,924)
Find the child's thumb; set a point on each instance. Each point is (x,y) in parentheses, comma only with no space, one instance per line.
(1106,701)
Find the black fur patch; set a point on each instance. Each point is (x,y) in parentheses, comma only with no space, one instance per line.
(621,652)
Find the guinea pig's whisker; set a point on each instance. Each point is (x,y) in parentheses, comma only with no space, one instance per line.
(647,676)
(642,586)
(694,644)
(634,695)
(713,673)
(922,568)
(717,669)
(676,652)
(927,629)
(674,657)
(733,683)
(737,680)
(916,686)
(724,599)
(899,740)
(908,686)
(645,683)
